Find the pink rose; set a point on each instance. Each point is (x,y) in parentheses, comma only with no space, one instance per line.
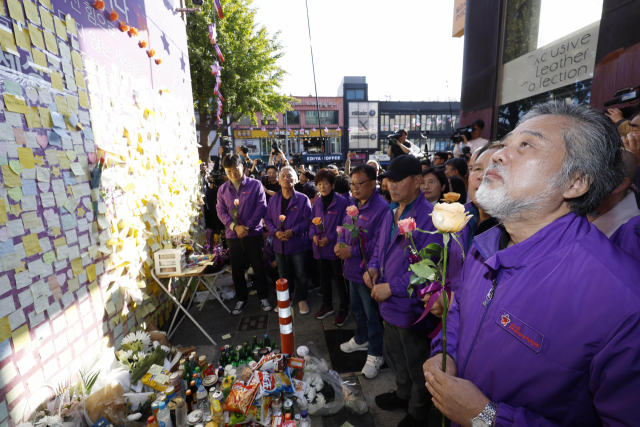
(236,202)
(407,225)
(340,229)
(282,218)
(352,211)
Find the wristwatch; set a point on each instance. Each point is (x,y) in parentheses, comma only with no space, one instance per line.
(487,417)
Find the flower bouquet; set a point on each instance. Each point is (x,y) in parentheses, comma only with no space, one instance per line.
(358,233)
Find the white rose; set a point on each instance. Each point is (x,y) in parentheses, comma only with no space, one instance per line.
(449,217)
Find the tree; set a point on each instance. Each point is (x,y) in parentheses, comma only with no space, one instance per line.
(250,75)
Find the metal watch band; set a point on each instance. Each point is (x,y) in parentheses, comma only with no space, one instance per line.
(487,416)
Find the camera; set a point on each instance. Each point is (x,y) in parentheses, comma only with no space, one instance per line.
(459,132)
(296,160)
(393,138)
(226,145)
(626,94)
(245,150)
(259,162)
(276,149)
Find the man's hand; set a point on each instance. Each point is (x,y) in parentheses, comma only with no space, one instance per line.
(280,235)
(459,400)
(381,292)
(241,231)
(255,162)
(324,242)
(220,151)
(435,364)
(342,253)
(350,154)
(614,114)
(464,139)
(438,307)
(288,234)
(632,143)
(370,277)
(269,192)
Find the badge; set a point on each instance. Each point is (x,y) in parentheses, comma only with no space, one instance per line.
(520,330)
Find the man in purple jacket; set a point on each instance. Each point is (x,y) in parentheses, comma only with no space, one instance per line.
(372,210)
(244,230)
(544,328)
(407,342)
(290,241)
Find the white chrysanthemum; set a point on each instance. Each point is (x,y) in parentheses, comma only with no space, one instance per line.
(137,341)
(125,356)
(51,421)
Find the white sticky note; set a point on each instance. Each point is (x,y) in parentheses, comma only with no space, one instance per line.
(17,319)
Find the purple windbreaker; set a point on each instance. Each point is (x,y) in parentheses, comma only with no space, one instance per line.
(330,220)
(370,218)
(557,343)
(298,218)
(251,208)
(627,236)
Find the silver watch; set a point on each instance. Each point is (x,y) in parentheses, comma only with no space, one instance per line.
(487,417)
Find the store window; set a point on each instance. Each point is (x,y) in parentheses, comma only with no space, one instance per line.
(326,117)
(293,117)
(244,120)
(355,94)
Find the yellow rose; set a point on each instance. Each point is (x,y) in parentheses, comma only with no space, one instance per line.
(450,197)
(317,220)
(449,217)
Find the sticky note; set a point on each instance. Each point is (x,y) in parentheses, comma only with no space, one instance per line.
(47,20)
(46,3)
(33,119)
(31,244)
(11,179)
(16,195)
(15,10)
(76,58)
(40,58)
(16,104)
(3,214)
(8,42)
(80,79)
(50,41)
(91,272)
(83,99)
(18,134)
(20,336)
(61,103)
(45,117)
(31,10)
(26,158)
(71,25)
(61,28)
(12,88)
(22,37)
(37,39)
(226,337)
(5,329)
(76,266)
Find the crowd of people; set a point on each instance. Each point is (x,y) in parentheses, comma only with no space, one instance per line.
(544,325)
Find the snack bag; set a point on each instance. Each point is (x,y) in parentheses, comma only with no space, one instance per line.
(271,363)
(299,388)
(241,396)
(272,384)
(263,410)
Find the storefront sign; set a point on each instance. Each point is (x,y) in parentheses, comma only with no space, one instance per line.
(566,61)
(358,158)
(270,133)
(459,13)
(317,158)
(363,122)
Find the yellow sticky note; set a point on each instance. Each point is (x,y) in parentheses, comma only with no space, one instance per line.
(47,20)
(35,34)
(56,81)
(72,315)
(25,155)
(5,329)
(76,266)
(31,244)
(80,79)
(76,58)
(71,25)
(32,11)
(21,336)
(50,41)
(46,3)
(40,58)
(45,117)
(83,99)
(65,163)
(16,104)
(33,120)
(61,103)
(2,12)
(22,37)
(11,179)
(61,28)
(72,103)
(3,213)
(15,10)
(91,273)
(59,242)
(7,42)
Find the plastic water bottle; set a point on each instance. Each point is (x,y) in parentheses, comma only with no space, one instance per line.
(164,417)
(304,422)
(203,400)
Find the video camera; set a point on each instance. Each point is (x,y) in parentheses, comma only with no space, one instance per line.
(394,137)
(296,160)
(226,145)
(276,149)
(459,132)
(626,94)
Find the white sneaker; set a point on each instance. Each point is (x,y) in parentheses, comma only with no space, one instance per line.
(265,305)
(351,346)
(372,366)
(239,308)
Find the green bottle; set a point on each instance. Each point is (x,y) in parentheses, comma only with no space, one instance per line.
(254,344)
(267,341)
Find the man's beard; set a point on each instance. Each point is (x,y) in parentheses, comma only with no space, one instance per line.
(499,204)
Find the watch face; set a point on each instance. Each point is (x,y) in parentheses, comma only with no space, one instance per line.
(477,422)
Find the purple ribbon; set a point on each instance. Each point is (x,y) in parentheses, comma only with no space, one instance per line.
(435,289)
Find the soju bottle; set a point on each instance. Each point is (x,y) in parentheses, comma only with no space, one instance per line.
(254,344)
(267,341)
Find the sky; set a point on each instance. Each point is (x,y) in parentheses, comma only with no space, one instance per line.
(403,47)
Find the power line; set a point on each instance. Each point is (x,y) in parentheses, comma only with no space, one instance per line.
(314,81)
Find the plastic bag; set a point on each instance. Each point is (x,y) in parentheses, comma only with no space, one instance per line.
(107,402)
(314,361)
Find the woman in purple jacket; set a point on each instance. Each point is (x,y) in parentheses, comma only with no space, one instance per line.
(328,212)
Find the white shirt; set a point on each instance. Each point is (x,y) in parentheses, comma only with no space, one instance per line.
(609,222)
(474,144)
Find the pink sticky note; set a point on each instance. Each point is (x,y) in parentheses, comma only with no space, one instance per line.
(4,234)
(92,158)
(49,213)
(44,186)
(62,279)
(20,138)
(89,216)
(43,141)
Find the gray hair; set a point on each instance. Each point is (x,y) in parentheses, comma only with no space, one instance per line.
(292,170)
(593,152)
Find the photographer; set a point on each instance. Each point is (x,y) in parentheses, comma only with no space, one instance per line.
(243,225)
(439,158)
(399,146)
(243,153)
(615,115)
(271,185)
(475,142)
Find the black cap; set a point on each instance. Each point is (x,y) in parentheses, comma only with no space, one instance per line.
(402,167)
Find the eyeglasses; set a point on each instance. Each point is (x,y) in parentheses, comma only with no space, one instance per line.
(357,185)
(430,183)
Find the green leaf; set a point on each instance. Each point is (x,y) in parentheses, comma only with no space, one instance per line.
(416,280)
(425,268)
(365,230)
(455,237)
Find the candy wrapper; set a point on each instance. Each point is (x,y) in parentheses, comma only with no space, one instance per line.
(299,388)
(241,396)
(271,363)
(272,384)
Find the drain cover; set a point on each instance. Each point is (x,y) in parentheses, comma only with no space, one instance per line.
(252,323)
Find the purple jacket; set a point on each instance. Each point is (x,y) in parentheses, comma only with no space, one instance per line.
(251,208)
(330,220)
(298,219)
(557,343)
(371,215)
(627,236)
(392,262)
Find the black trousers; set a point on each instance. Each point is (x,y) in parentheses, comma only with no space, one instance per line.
(332,268)
(409,349)
(248,251)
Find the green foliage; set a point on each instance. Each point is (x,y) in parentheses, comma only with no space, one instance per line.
(432,250)
(88,381)
(250,74)
(414,280)
(143,366)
